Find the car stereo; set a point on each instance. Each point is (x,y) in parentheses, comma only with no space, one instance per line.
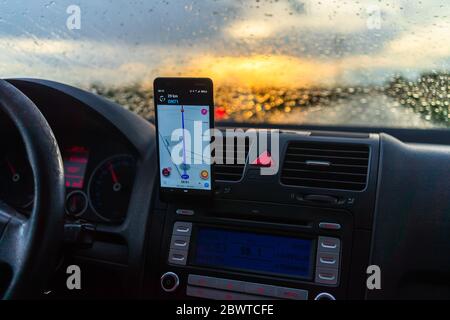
(215,257)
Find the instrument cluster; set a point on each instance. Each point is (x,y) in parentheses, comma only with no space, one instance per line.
(99,183)
(99,179)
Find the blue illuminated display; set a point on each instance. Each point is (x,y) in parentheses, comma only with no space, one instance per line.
(260,253)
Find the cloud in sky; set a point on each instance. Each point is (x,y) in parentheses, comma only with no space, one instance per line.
(283,17)
(275,43)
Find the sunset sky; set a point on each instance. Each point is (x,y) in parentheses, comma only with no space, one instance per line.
(285,43)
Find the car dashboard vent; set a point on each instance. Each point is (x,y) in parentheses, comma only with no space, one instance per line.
(326,165)
(233,161)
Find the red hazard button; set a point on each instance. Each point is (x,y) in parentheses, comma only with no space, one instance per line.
(264,160)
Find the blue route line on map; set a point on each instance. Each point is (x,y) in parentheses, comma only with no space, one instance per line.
(184,143)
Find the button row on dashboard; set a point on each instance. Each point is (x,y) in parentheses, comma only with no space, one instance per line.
(179,243)
(241,287)
(213,294)
(327,261)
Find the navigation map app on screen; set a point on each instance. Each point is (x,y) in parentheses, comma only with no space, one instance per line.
(194,171)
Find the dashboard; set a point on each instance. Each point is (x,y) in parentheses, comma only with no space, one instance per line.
(382,201)
(99,178)
(99,169)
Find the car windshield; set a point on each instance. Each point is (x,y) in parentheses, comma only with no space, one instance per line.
(327,62)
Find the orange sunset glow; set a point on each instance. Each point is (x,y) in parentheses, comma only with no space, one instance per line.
(260,70)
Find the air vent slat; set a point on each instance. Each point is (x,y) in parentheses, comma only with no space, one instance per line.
(326,165)
(318,172)
(340,165)
(327,181)
(228,174)
(330,150)
(225,166)
(231,160)
(338,153)
(321,157)
(231,167)
(309,155)
(334,160)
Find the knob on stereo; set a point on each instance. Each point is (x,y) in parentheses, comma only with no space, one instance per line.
(169,281)
(324,296)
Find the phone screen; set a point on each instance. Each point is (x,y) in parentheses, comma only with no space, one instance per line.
(184,117)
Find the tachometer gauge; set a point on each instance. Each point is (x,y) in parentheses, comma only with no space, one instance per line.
(110,187)
(16,181)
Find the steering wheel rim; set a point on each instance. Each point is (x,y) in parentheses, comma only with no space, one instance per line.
(29,245)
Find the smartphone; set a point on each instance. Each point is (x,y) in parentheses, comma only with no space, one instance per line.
(184,117)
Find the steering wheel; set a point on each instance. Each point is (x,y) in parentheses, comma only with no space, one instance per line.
(29,245)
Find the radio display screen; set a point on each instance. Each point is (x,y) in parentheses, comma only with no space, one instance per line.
(260,253)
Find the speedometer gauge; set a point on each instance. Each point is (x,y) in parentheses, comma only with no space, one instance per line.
(110,187)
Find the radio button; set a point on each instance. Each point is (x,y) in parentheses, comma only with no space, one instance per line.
(185,212)
(219,294)
(182,228)
(169,281)
(290,293)
(327,259)
(261,289)
(328,244)
(201,293)
(327,276)
(178,257)
(224,295)
(179,242)
(202,281)
(324,296)
(329,226)
(231,285)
